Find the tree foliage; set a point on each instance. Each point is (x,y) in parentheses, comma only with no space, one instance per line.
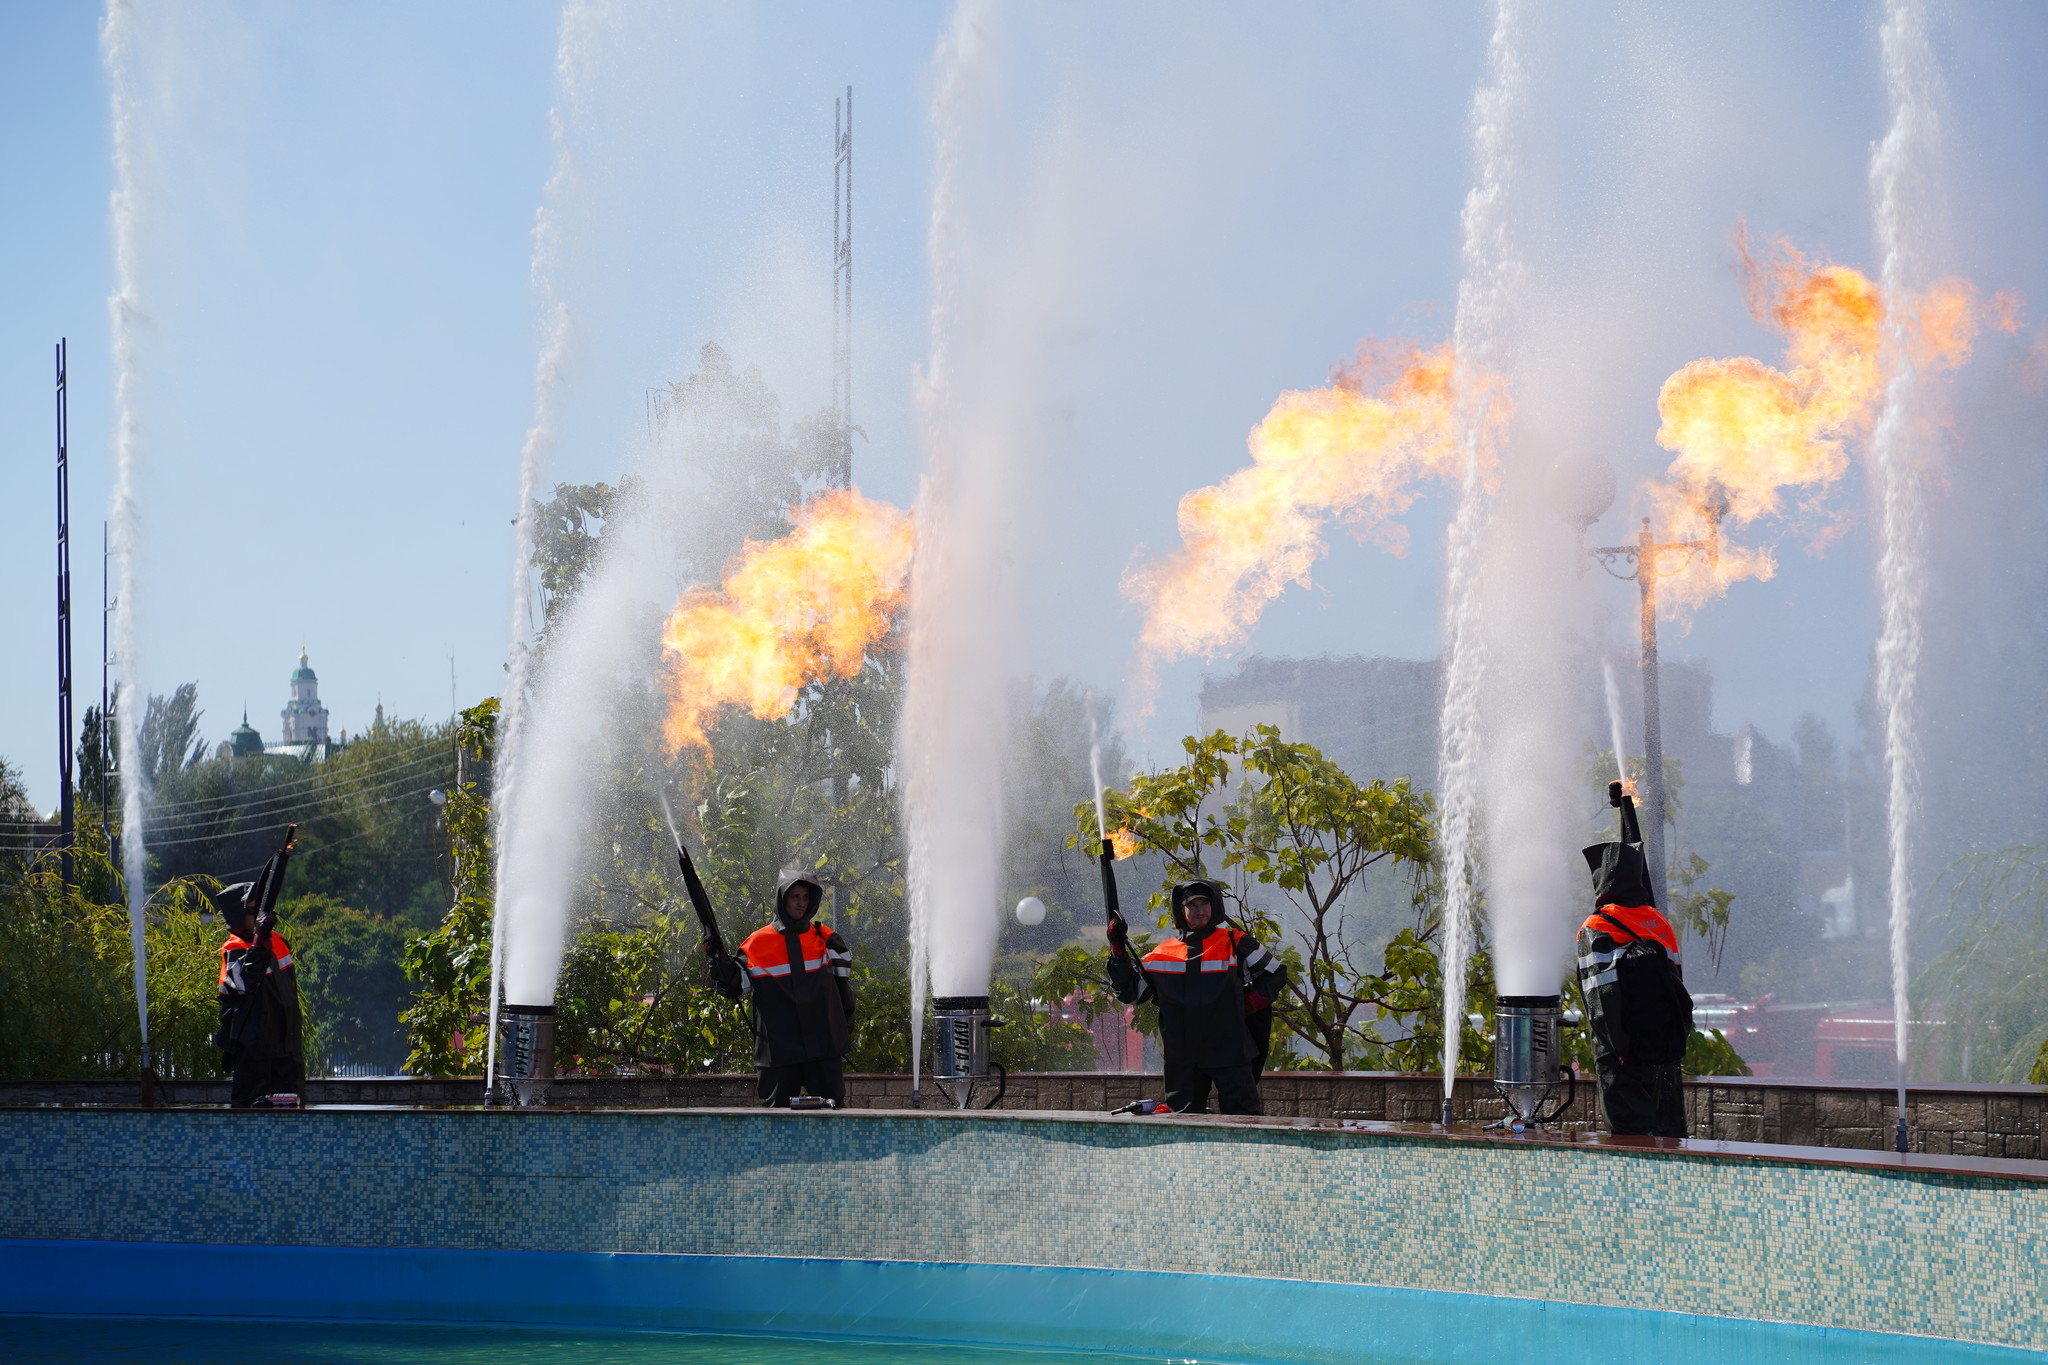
(1290,837)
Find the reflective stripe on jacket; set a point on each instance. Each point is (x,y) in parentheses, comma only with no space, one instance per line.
(1643,1020)
(1200,980)
(803,998)
(237,948)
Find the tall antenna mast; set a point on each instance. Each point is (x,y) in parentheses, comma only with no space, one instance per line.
(842,282)
(68,807)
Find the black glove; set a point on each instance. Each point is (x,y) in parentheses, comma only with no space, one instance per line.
(1119,935)
(266,921)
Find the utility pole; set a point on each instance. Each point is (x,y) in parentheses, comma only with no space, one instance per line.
(842,283)
(68,807)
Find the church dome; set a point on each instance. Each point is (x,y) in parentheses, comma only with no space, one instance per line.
(244,740)
(304,672)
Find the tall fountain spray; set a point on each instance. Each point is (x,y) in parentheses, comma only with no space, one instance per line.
(1485,296)
(1898,167)
(124,316)
(571,40)
(1614,730)
(963,618)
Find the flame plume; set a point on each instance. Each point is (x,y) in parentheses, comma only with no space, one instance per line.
(1750,438)
(790,612)
(1336,452)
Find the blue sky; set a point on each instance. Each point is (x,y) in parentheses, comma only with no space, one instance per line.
(338,362)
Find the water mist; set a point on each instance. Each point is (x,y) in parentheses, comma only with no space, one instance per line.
(1479,334)
(570,41)
(124,316)
(1898,167)
(963,620)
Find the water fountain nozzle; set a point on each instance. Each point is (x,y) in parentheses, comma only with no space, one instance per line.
(526,1054)
(960,1061)
(1528,1060)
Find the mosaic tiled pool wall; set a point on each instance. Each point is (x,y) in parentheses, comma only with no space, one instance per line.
(1936,1254)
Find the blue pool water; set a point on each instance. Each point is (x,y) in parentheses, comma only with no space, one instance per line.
(215,1341)
(168,1304)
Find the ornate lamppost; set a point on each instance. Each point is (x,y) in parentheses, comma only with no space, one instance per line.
(1583,492)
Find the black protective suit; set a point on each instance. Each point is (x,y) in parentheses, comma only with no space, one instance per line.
(1637,1008)
(262,1029)
(1207,983)
(796,974)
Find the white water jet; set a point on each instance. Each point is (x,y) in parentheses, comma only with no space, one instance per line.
(124,316)
(1614,730)
(1490,270)
(571,40)
(1898,165)
(963,620)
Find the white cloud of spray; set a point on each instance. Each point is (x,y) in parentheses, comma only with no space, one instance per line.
(571,45)
(963,613)
(118,41)
(1480,340)
(1900,166)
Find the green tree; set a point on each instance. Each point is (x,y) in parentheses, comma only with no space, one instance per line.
(450,968)
(1991,982)
(1259,812)
(168,739)
(352,982)
(67,994)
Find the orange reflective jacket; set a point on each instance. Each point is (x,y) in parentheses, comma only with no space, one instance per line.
(1219,953)
(230,980)
(766,952)
(1627,923)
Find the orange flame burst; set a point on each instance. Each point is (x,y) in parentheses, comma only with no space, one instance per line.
(790,612)
(1749,436)
(1123,843)
(1336,452)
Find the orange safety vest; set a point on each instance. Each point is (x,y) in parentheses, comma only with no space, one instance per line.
(1627,923)
(766,950)
(1219,953)
(280,951)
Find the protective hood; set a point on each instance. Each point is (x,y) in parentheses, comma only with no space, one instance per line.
(233,901)
(1217,917)
(782,901)
(1621,875)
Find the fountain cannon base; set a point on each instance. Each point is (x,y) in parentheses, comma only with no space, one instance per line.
(960,1063)
(526,1055)
(1528,1060)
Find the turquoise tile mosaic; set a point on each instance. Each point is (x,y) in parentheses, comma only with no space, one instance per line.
(1936,1254)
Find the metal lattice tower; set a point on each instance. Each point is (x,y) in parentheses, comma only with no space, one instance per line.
(67,796)
(842,283)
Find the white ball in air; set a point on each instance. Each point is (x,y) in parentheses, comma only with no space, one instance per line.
(1030,910)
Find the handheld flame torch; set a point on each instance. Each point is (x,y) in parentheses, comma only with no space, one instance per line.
(714,941)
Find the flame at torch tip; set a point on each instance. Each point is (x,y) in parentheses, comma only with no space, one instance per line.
(790,612)
(1747,435)
(1123,843)
(1336,452)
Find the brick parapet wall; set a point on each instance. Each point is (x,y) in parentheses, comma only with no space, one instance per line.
(1963,1120)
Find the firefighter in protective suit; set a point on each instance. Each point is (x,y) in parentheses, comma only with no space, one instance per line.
(1209,978)
(1637,1007)
(262,1030)
(796,974)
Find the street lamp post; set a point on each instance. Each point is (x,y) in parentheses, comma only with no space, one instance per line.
(1651,559)
(1582,491)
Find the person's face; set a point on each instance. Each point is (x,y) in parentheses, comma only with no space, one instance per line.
(799,901)
(1197,910)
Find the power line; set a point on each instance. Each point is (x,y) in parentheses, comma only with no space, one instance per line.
(298,789)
